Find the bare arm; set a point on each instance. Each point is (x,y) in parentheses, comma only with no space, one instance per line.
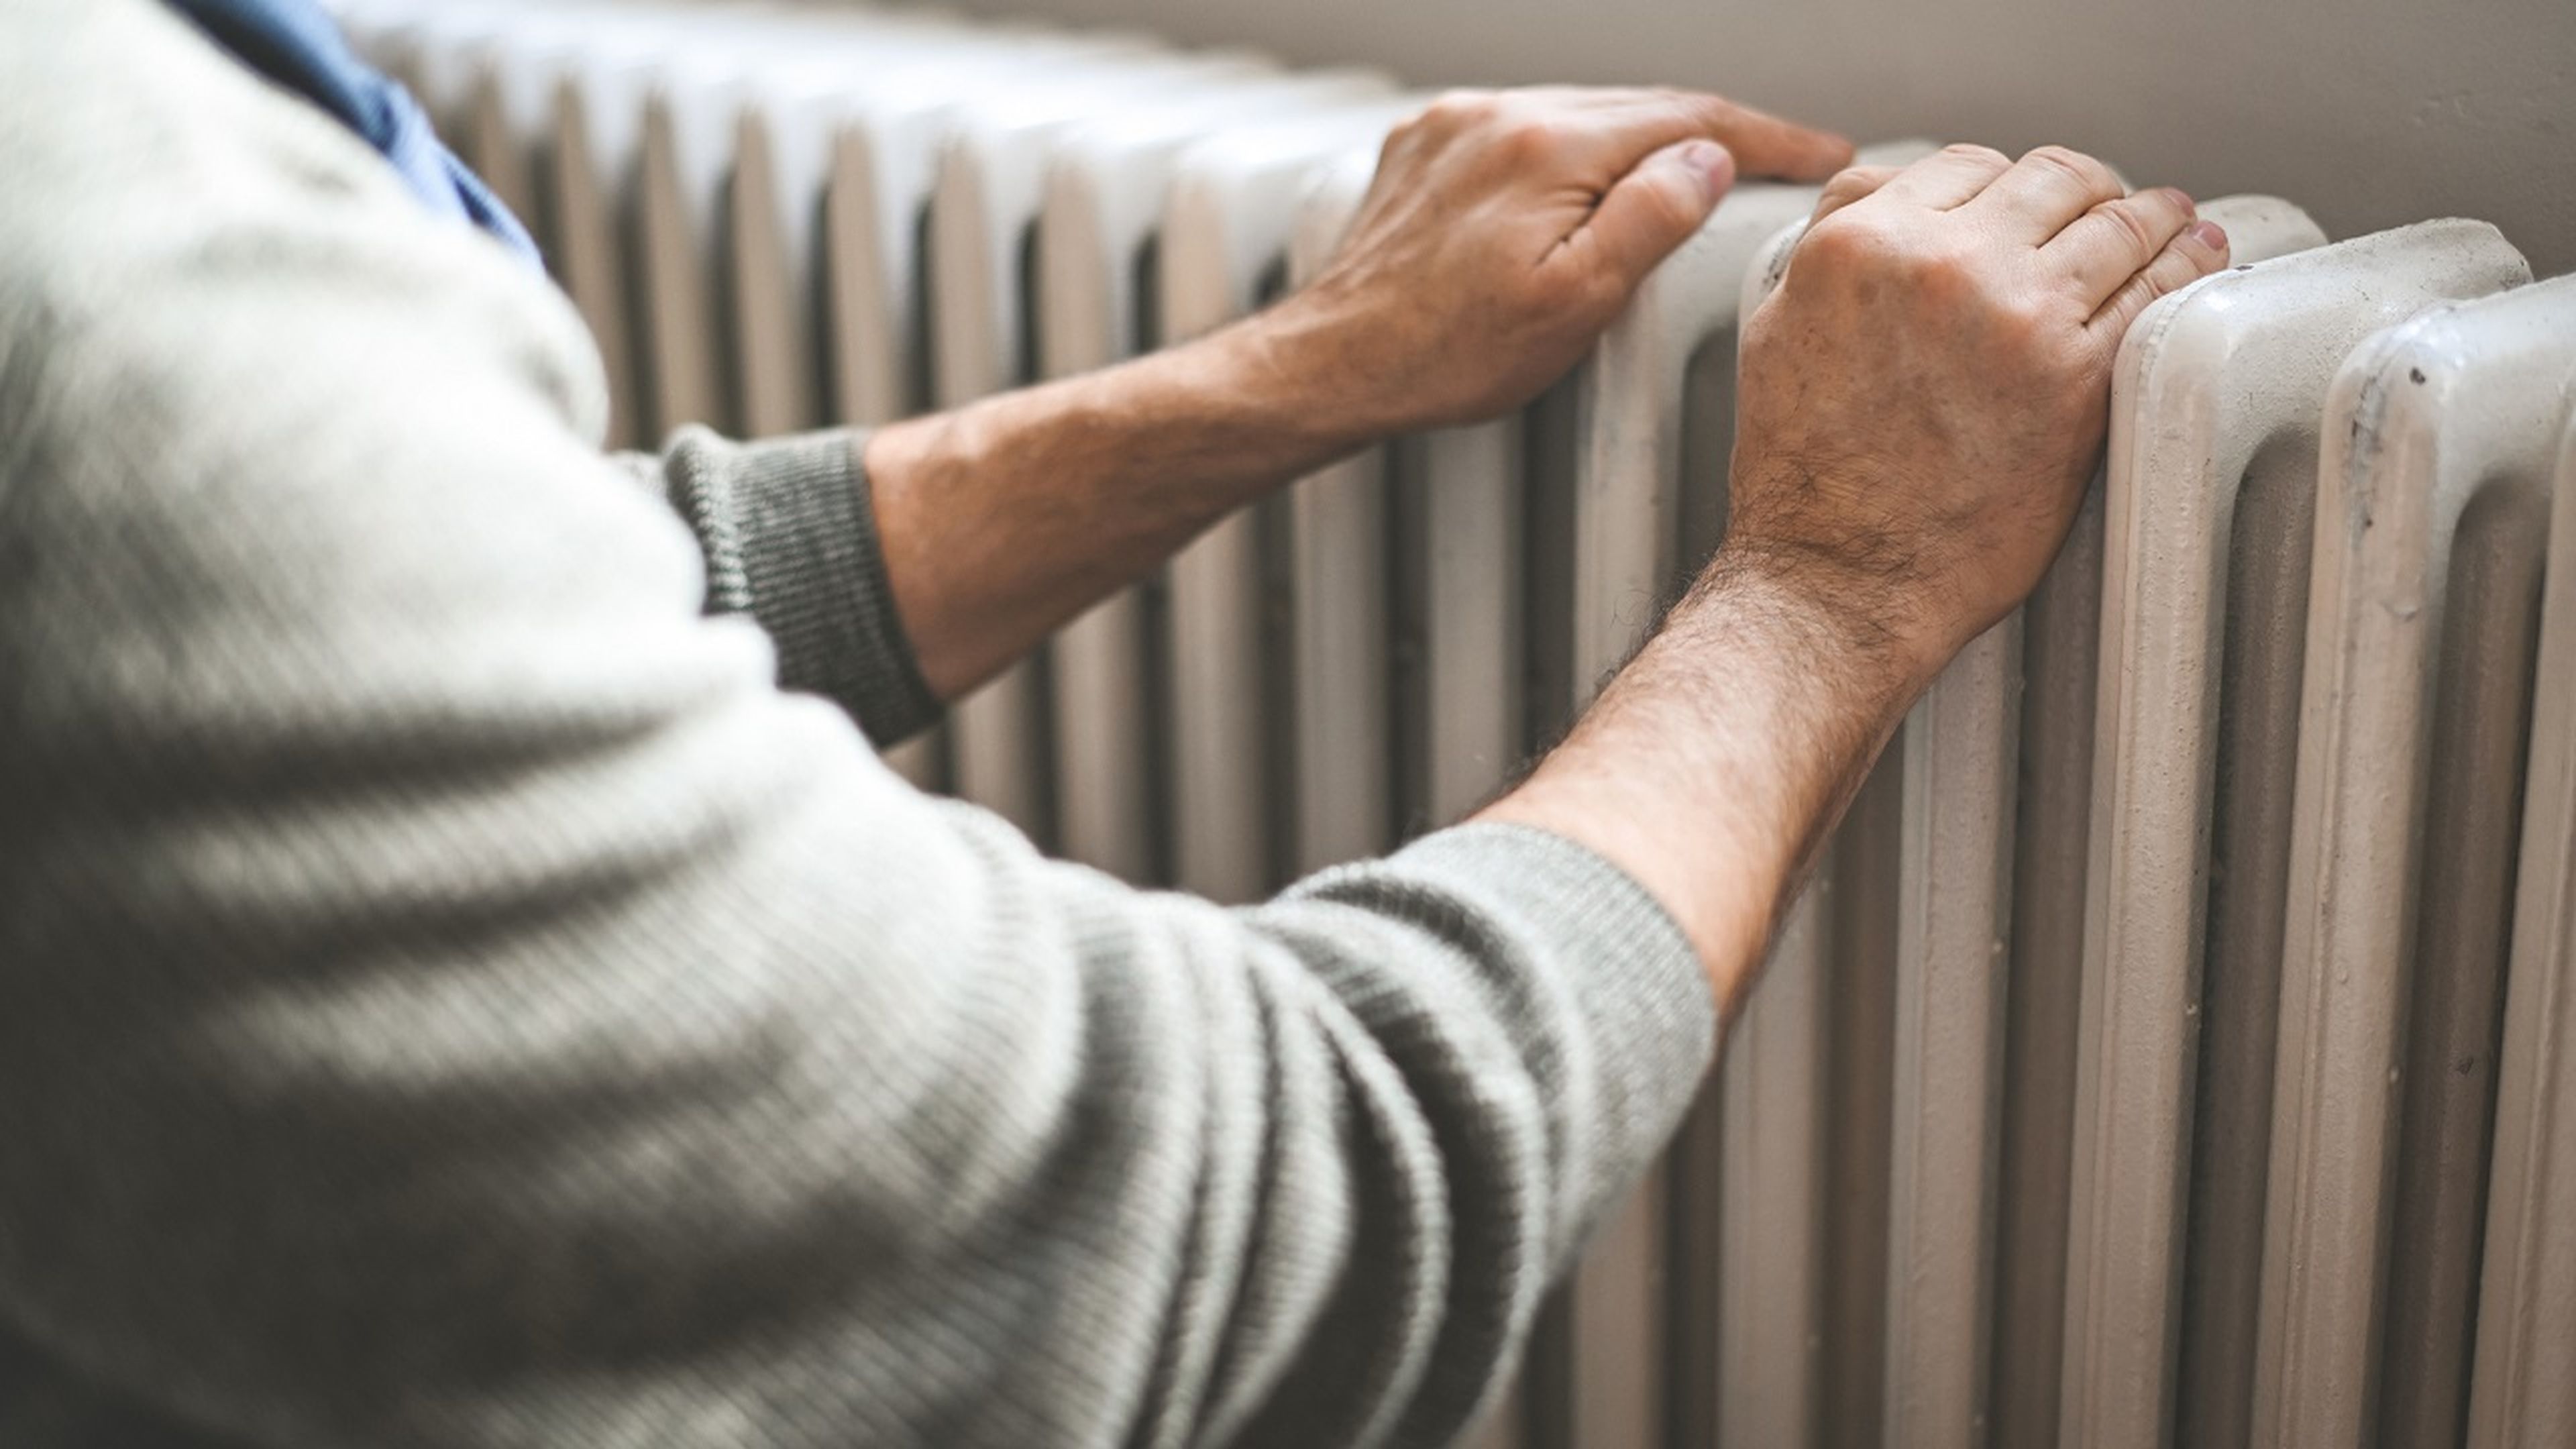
(1504,231)
(1717,761)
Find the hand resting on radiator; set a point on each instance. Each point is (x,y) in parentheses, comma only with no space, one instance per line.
(1919,406)
(1926,395)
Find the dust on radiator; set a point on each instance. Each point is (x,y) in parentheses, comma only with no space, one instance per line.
(2179,1045)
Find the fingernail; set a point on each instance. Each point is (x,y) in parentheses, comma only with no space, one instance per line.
(1713,164)
(2210,235)
(2183,200)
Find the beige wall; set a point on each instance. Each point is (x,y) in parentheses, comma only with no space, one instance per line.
(2369,112)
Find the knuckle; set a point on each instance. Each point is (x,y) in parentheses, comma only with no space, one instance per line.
(1455,110)
(2128,219)
(1853,182)
(1842,241)
(1702,111)
(2171,271)
(1526,137)
(2072,163)
(1986,156)
(1868,253)
(1400,140)
(1681,114)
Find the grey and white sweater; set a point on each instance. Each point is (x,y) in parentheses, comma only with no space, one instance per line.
(466,979)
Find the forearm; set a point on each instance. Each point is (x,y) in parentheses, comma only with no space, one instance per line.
(1716,762)
(1004,519)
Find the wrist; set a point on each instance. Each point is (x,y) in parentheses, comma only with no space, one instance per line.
(1309,356)
(1713,765)
(1867,634)
(1238,411)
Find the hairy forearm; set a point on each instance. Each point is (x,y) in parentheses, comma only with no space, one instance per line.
(1006,518)
(1714,764)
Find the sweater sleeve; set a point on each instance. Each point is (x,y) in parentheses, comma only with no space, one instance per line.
(790,540)
(451,994)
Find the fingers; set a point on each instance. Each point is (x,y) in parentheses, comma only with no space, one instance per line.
(1948,177)
(1763,144)
(2043,191)
(1849,185)
(1656,207)
(2107,245)
(2194,252)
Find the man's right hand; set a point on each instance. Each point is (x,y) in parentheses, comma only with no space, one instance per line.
(1924,398)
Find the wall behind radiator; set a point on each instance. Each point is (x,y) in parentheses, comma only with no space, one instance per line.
(2370,113)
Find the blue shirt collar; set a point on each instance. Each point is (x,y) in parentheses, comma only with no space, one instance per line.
(293,43)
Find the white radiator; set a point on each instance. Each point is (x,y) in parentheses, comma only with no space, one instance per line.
(2178,1045)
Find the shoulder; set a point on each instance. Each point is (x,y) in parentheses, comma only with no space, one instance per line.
(168,206)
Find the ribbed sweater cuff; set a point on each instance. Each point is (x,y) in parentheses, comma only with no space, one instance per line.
(1635,985)
(791,539)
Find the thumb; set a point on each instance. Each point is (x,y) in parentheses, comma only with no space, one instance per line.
(1657,205)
